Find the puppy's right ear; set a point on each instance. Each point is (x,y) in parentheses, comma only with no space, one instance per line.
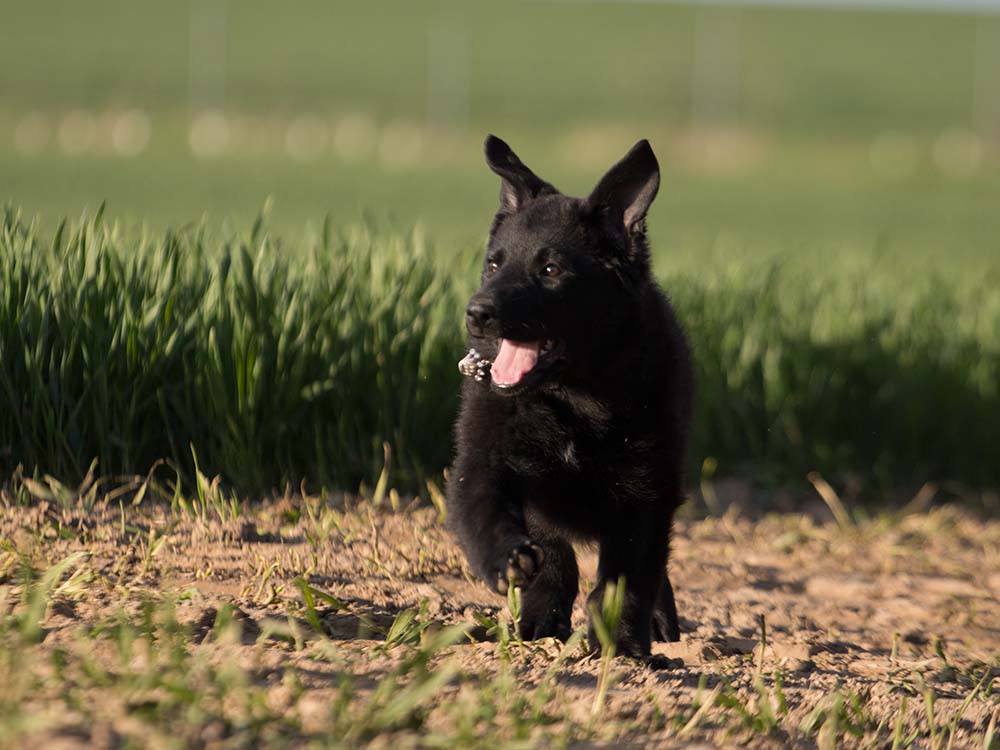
(518,184)
(628,188)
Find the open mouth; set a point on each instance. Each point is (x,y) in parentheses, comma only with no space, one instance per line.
(516,366)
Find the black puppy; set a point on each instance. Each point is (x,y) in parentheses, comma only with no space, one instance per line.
(574,423)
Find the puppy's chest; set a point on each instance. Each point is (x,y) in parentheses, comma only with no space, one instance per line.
(543,440)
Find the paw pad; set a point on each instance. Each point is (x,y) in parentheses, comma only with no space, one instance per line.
(523,563)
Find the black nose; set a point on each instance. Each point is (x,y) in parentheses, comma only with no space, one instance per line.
(478,316)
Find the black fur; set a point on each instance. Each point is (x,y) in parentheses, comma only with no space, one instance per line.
(590,444)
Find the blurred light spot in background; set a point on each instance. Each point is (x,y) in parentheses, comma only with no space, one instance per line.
(209,134)
(32,134)
(594,146)
(355,136)
(77,133)
(401,144)
(719,150)
(893,155)
(306,137)
(260,134)
(245,136)
(130,133)
(958,153)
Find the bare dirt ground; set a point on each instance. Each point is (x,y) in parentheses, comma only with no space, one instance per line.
(280,624)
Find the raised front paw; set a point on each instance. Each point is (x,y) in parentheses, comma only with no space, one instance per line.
(523,563)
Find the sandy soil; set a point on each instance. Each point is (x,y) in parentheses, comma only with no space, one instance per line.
(871,613)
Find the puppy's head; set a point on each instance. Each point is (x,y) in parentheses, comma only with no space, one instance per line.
(561,274)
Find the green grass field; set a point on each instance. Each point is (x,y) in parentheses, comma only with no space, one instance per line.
(278,362)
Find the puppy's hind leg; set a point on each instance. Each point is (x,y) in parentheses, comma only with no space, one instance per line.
(665,624)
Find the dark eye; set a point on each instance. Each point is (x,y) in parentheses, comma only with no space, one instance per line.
(551,270)
(492,266)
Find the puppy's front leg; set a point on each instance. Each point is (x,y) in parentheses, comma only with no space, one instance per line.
(491,528)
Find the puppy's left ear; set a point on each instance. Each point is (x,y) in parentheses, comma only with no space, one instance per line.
(518,184)
(628,188)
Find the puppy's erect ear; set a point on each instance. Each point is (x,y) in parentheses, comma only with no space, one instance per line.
(628,188)
(518,184)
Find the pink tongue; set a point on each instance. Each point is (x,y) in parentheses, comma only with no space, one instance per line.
(513,361)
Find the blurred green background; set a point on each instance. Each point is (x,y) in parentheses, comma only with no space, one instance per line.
(778,129)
